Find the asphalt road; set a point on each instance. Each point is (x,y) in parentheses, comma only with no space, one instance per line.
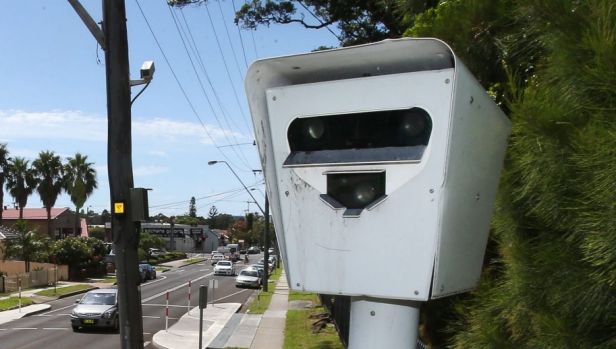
(52,329)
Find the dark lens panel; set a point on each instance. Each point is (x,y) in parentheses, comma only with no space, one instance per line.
(356,190)
(382,129)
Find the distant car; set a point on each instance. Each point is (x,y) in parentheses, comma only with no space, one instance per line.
(253,250)
(258,267)
(97,308)
(248,278)
(156,252)
(271,250)
(150,271)
(217,257)
(224,268)
(270,263)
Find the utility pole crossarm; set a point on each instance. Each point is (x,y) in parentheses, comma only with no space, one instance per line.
(89,22)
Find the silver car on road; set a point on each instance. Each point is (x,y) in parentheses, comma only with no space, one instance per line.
(97,308)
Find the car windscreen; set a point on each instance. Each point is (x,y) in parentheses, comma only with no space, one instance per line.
(249,273)
(99,299)
(225,264)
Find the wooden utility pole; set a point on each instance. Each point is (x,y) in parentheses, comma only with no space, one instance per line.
(119,162)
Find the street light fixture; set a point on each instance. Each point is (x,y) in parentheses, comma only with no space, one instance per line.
(214,162)
(264,280)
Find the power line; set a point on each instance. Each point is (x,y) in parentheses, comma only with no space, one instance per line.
(224,23)
(207,98)
(184,202)
(239,33)
(205,72)
(237,99)
(192,107)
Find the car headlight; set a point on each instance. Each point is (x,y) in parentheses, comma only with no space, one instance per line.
(108,314)
(74,314)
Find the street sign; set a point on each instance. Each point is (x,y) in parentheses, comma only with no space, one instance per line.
(213,283)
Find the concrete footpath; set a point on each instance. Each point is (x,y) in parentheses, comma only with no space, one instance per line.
(10,315)
(223,327)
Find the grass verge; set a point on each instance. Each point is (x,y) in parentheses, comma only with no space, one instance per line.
(63,290)
(13,302)
(298,328)
(109,279)
(261,302)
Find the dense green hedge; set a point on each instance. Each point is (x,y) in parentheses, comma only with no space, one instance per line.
(550,276)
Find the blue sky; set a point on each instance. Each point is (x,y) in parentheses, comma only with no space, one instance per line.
(52,97)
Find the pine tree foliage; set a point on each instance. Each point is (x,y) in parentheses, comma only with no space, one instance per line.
(552,283)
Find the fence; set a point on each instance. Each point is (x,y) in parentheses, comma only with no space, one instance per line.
(27,280)
(17,267)
(340,309)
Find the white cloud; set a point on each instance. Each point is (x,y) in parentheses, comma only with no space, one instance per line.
(67,125)
(159,153)
(149,170)
(176,131)
(76,125)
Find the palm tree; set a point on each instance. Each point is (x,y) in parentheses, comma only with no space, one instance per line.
(79,182)
(49,171)
(20,182)
(4,166)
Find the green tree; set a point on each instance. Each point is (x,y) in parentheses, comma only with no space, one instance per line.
(550,280)
(97,233)
(105,216)
(357,21)
(192,208)
(4,167)
(28,245)
(80,182)
(147,242)
(72,251)
(48,169)
(211,217)
(20,182)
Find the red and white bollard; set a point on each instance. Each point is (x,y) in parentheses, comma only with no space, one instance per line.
(167,312)
(188,307)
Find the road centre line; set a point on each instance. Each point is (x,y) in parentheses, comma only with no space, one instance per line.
(229,295)
(25,328)
(174,288)
(151,317)
(56,328)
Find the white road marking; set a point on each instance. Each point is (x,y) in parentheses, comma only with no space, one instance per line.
(53,311)
(174,288)
(43,315)
(55,328)
(159,278)
(164,305)
(25,328)
(2,329)
(145,344)
(151,317)
(229,295)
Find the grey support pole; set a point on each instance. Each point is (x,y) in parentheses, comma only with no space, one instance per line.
(383,323)
(266,245)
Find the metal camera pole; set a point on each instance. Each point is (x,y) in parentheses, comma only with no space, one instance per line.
(383,323)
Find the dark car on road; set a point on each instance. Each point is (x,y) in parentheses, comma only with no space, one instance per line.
(97,309)
(147,271)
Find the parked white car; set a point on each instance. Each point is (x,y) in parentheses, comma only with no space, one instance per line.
(248,278)
(224,268)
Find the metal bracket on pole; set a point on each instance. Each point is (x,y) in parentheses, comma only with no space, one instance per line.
(96,31)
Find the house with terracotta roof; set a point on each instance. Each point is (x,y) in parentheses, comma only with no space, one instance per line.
(62,221)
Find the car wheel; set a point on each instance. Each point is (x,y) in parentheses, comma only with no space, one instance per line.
(75,328)
(116,324)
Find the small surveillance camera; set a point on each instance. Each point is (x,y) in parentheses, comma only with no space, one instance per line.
(147,70)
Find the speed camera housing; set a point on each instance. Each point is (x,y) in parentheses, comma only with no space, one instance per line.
(382,164)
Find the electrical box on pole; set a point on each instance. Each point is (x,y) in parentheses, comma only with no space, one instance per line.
(139,204)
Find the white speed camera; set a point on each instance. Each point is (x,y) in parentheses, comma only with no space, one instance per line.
(382,163)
